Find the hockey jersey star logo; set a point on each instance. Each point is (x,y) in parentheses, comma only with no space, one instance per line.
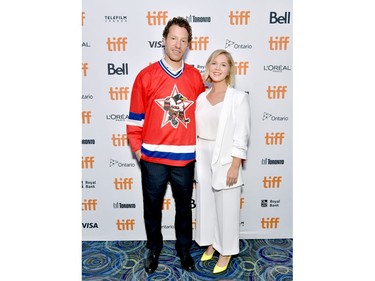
(174,106)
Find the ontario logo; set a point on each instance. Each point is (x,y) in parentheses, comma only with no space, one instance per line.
(174,107)
(234,45)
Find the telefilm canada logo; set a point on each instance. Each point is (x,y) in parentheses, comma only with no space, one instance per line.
(116,19)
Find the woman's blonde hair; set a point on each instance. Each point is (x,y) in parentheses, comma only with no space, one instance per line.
(230,78)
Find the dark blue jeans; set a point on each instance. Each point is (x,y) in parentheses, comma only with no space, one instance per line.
(154,185)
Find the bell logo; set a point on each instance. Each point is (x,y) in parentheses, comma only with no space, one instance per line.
(274,138)
(86,117)
(157,18)
(276,92)
(125,224)
(240,68)
(239,17)
(270,223)
(120,140)
(83,18)
(121,70)
(85,66)
(87,162)
(199,43)
(119,93)
(89,205)
(117,44)
(166,204)
(123,183)
(193,204)
(242,202)
(272,182)
(279,19)
(277,43)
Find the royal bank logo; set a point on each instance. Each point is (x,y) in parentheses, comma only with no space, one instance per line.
(264,203)
(270,117)
(88,184)
(237,46)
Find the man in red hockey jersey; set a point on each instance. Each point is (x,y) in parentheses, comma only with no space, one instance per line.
(161,132)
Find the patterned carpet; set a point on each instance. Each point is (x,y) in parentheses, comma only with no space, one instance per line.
(258,260)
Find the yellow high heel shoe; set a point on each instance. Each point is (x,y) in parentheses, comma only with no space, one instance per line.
(218,269)
(207,257)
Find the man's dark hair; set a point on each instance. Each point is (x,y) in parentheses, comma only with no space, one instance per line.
(181,22)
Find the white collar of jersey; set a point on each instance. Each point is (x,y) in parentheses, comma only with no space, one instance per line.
(167,68)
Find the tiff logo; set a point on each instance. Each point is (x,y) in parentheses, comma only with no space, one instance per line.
(125,225)
(119,93)
(239,17)
(87,162)
(85,66)
(157,18)
(277,43)
(270,222)
(272,182)
(83,18)
(123,183)
(119,140)
(276,92)
(274,138)
(89,205)
(86,117)
(242,202)
(117,44)
(240,68)
(166,204)
(199,43)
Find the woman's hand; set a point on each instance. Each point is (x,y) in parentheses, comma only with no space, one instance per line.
(232,175)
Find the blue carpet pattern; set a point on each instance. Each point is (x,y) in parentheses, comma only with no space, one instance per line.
(258,260)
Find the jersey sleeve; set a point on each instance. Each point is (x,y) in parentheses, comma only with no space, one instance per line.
(134,125)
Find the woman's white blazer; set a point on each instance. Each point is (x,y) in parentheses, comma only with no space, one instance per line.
(232,137)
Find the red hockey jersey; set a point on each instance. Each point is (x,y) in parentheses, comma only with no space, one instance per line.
(162,114)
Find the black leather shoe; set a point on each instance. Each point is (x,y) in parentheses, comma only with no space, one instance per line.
(187,262)
(151,262)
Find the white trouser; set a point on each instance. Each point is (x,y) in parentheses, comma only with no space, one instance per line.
(217,212)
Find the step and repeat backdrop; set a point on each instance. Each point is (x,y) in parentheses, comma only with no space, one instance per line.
(119,38)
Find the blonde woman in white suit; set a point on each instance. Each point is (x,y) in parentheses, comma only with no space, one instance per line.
(223,130)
